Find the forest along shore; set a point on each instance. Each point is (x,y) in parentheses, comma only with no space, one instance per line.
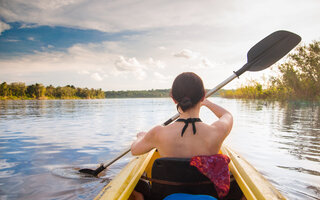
(19,91)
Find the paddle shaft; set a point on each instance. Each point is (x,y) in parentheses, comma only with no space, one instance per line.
(117,158)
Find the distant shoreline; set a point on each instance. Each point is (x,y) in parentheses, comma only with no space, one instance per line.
(43,98)
(154,93)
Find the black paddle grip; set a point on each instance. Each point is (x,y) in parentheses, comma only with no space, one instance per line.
(168,122)
(242,70)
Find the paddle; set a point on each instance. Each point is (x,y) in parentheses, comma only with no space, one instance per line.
(260,56)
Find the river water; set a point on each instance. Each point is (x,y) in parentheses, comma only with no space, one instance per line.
(39,138)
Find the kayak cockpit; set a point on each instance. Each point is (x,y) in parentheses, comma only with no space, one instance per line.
(177,175)
(251,183)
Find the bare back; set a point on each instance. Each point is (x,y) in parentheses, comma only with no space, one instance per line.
(206,140)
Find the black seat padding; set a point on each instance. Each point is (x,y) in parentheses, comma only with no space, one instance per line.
(178,170)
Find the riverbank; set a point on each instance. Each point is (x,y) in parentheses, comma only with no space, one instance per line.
(255,91)
(154,93)
(44,98)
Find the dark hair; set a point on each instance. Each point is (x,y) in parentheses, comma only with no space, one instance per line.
(187,90)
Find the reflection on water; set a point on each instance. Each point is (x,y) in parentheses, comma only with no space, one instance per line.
(300,128)
(37,138)
(282,140)
(299,135)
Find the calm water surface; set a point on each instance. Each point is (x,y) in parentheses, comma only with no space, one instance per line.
(38,137)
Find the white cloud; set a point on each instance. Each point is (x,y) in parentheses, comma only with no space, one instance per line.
(186,53)
(206,62)
(162,48)
(90,61)
(130,64)
(80,58)
(112,16)
(4,27)
(156,63)
(96,77)
(31,38)
(194,58)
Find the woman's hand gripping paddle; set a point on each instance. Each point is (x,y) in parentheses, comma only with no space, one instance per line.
(262,55)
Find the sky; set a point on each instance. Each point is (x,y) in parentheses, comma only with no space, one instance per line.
(138,45)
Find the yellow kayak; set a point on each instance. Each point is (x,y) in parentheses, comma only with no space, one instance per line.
(252,184)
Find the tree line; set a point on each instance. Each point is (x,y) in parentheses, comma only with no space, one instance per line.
(138,93)
(154,93)
(297,79)
(19,90)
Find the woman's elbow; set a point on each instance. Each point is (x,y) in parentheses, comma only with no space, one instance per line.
(134,151)
(228,121)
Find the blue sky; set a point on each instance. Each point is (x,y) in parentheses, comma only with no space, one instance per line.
(125,45)
(17,40)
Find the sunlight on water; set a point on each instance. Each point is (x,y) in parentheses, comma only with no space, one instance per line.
(43,142)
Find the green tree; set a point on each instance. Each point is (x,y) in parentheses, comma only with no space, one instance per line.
(36,91)
(17,89)
(300,75)
(4,89)
(50,91)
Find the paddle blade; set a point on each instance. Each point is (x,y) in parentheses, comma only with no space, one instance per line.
(93,172)
(271,49)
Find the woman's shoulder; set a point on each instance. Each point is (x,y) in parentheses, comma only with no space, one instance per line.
(157,130)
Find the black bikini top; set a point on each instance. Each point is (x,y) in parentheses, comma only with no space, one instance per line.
(187,121)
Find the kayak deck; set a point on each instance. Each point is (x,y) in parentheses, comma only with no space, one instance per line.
(250,181)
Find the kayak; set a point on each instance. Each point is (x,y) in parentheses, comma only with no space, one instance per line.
(252,184)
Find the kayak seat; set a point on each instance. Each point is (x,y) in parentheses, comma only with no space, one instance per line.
(183,177)
(176,175)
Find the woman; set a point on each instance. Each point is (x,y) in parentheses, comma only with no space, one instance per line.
(188,136)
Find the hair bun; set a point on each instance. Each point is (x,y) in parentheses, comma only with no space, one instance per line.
(185,103)
(187,90)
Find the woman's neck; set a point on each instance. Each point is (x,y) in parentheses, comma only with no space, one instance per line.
(191,113)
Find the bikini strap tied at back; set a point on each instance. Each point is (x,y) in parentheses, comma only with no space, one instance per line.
(187,121)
